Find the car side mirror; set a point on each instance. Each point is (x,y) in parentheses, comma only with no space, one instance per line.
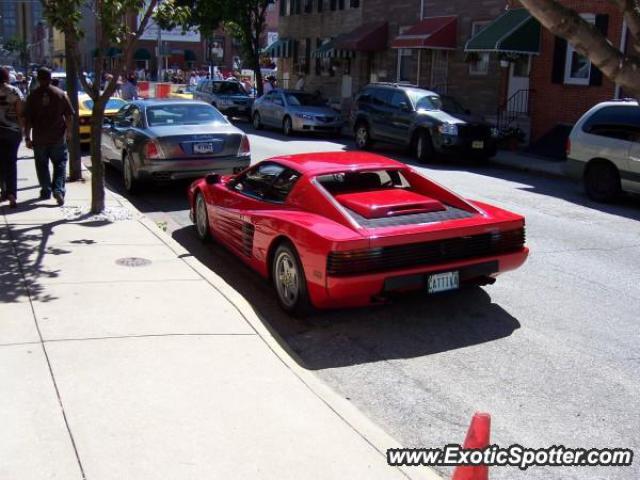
(212,179)
(404,106)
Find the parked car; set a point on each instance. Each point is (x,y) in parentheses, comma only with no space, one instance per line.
(228,96)
(160,140)
(603,150)
(85,111)
(295,111)
(347,229)
(415,118)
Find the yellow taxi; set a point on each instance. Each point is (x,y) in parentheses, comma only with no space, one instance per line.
(184,92)
(85,106)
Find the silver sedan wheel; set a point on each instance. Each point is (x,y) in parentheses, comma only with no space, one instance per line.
(257,124)
(287,279)
(287,128)
(127,171)
(202,217)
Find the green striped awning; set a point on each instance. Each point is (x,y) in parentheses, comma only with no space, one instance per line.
(282,48)
(329,50)
(114,52)
(515,31)
(142,54)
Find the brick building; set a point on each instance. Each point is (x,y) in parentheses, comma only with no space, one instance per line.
(565,83)
(545,86)
(341,45)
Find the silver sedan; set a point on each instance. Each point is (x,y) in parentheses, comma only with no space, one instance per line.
(295,111)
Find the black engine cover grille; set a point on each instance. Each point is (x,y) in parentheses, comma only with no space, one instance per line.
(426,253)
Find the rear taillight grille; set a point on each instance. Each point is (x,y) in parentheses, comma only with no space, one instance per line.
(427,253)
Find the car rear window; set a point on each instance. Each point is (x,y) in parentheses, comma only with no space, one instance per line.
(619,121)
(183,114)
(112,104)
(362,181)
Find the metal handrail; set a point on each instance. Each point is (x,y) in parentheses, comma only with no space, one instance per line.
(517,105)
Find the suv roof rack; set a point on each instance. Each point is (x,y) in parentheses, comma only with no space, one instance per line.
(395,84)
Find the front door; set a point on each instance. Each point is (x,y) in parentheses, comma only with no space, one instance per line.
(439,71)
(518,93)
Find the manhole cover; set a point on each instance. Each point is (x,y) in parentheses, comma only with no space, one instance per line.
(133,262)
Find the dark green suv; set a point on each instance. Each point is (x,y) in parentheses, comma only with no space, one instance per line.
(421,120)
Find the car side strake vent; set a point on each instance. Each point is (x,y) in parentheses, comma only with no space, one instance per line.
(248,231)
(356,262)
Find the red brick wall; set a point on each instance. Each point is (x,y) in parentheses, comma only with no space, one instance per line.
(554,104)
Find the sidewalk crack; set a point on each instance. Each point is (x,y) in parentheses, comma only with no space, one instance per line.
(44,350)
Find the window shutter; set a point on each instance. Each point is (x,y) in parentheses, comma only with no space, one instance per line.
(559,61)
(602,24)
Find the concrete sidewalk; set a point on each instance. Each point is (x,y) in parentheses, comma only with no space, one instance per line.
(529,163)
(122,357)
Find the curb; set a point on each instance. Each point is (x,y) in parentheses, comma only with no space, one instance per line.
(528,168)
(362,425)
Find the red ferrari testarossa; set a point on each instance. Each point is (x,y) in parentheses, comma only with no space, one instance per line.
(346,229)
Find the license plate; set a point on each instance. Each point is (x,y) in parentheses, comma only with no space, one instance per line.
(442,282)
(203,148)
(477,145)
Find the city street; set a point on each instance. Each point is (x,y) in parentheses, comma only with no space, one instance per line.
(550,350)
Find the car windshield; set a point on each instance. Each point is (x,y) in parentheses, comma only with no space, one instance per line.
(112,104)
(229,88)
(183,114)
(304,100)
(451,105)
(353,182)
(424,100)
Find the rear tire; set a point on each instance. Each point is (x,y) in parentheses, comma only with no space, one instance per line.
(201,218)
(289,281)
(257,121)
(131,185)
(362,136)
(602,181)
(424,151)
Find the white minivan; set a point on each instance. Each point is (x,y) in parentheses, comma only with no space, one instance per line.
(603,150)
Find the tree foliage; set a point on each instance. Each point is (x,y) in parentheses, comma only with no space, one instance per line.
(118,27)
(621,67)
(245,20)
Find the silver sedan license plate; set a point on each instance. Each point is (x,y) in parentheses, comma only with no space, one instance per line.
(203,148)
(478,145)
(442,282)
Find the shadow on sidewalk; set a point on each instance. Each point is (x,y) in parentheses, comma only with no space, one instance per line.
(414,326)
(23,248)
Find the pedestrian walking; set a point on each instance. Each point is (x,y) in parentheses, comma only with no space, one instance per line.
(130,88)
(48,113)
(10,137)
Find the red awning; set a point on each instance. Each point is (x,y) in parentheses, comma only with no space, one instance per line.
(434,33)
(369,37)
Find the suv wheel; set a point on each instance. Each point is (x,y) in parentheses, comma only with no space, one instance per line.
(602,181)
(424,147)
(362,136)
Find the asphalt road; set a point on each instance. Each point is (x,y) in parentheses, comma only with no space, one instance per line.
(551,350)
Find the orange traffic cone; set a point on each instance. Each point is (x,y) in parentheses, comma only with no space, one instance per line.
(477,437)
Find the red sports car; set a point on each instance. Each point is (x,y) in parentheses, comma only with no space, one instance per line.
(345,229)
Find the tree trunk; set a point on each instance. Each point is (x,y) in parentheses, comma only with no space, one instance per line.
(75,162)
(587,40)
(97,167)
